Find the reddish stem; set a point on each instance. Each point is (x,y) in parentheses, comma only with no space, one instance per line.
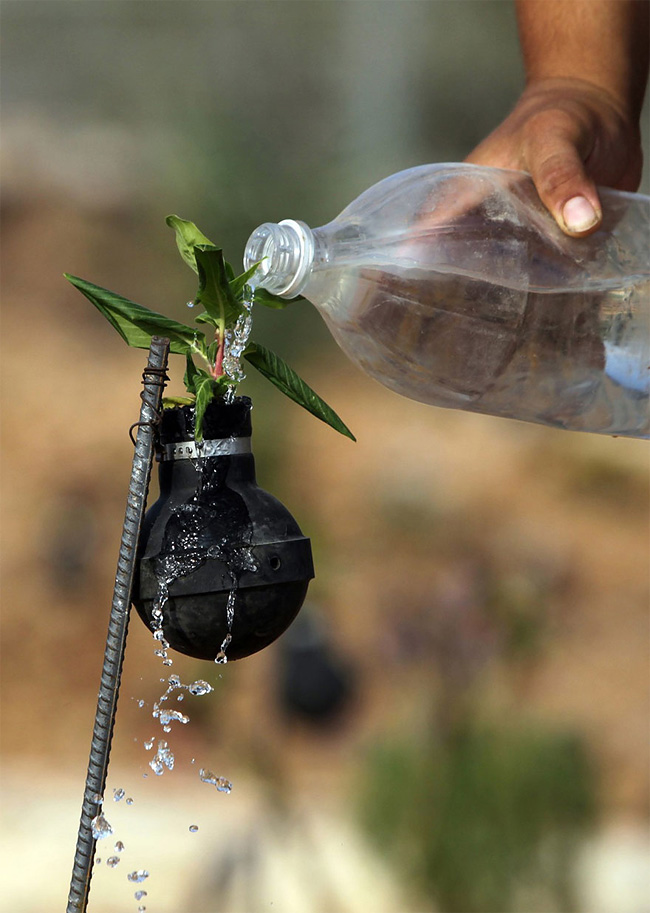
(217,371)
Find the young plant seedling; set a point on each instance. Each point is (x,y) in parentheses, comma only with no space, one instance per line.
(226,300)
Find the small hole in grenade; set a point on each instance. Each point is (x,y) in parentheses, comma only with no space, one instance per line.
(274,563)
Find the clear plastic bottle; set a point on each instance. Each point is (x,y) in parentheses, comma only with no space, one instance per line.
(452,285)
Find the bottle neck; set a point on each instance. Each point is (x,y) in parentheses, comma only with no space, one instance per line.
(285,253)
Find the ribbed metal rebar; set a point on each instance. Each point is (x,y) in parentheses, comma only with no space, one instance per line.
(153,380)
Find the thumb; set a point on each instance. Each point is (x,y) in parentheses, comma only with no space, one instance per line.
(564,187)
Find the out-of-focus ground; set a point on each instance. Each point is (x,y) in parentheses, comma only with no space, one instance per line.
(482,585)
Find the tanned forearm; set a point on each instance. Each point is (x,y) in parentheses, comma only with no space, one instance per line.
(604,42)
(576,124)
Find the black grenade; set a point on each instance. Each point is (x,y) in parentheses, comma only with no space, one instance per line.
(218,554)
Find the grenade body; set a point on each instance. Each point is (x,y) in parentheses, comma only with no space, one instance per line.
(219,556)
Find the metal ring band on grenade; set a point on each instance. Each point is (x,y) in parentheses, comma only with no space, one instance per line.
(190,450)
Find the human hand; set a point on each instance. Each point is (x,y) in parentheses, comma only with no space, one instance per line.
(570,136)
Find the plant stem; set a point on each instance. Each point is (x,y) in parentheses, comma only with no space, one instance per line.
(217,371)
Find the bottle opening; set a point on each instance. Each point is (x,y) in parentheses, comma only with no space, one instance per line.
(285,253)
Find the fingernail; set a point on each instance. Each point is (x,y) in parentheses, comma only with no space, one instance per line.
(579,214)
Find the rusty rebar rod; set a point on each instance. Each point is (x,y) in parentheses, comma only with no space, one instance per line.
(100,747)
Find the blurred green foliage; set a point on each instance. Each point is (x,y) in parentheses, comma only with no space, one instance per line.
(482,817)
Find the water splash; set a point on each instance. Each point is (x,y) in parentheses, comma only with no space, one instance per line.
(163,759)
(200,687)
(236,340)
(100,827)
(223,785)
(167,717)
(157,621)
(213,514)
(138,875)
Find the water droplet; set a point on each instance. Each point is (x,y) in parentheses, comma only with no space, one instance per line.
(129,801)
(140,894)
(112,861)
(193,828)
(141,909)
(200,687)
(223,785)
(190,304)
(138,875)
(180,697)
(172,716)
(98,798)
(98,860)
(119,846)
(140,703)
(162,759)
(221,655)
(100,827)
(118,794)
(149,743)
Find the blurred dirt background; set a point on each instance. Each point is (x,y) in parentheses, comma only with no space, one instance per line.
(476,639)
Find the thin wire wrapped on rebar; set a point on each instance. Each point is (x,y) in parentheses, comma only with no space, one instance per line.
(153,380)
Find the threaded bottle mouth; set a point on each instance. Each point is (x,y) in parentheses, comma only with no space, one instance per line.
(285,252)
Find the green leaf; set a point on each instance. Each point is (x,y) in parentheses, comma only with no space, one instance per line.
(214,291)
(136,324)
(206,389)
(288,382)
(207,318)
(269,300)
(213,348)
(238,282)
(187,238)
(168,402)
(260,295)
(191,374)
